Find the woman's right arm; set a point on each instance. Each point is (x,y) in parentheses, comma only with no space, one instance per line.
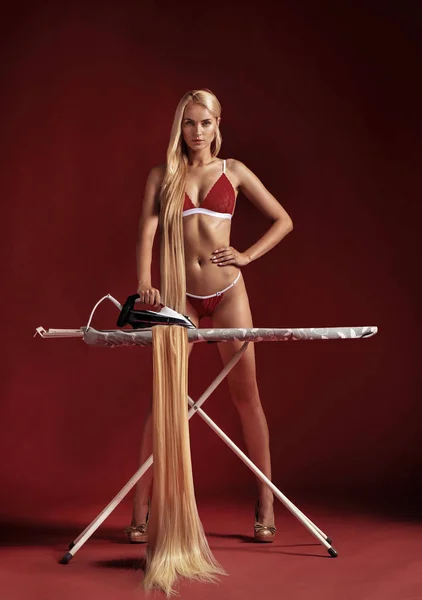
(148,224)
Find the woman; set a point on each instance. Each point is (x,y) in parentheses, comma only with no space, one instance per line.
(208,187)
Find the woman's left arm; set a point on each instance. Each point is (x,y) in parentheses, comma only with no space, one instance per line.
(257,193)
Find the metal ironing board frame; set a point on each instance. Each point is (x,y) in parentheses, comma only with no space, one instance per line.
(115,338)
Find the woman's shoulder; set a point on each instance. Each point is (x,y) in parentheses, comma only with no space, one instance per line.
(156,175)
(238,170)
(158,171)
(235,166)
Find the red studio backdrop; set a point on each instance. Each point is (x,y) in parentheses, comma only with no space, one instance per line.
(319,100)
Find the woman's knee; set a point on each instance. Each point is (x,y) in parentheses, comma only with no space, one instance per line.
(244,394)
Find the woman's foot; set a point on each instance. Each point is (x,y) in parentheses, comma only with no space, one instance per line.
(138,534)
(264,527)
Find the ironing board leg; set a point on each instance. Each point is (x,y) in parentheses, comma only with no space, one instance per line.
(102,516)
(306,522)
(195,407)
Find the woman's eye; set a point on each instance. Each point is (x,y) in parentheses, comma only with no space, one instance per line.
(206,123)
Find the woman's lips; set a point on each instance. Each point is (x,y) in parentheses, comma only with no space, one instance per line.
(197,141)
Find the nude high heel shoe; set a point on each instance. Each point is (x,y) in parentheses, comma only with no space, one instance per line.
(263,533)
(138,534)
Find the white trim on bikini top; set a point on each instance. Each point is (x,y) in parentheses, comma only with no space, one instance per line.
(206,211)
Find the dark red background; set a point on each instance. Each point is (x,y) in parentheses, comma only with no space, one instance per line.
(320,102)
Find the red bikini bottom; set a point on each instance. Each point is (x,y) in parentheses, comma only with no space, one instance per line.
(206,305)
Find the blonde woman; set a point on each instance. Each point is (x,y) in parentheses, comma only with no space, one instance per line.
(193,197)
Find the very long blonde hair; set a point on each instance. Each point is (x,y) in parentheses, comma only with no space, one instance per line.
(177,545)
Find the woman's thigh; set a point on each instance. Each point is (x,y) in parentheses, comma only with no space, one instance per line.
(234,311)
(193,316)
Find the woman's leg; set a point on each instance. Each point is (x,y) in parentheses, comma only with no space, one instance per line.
(234,311)
(143,487)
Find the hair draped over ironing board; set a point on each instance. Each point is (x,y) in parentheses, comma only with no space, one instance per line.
(177,545)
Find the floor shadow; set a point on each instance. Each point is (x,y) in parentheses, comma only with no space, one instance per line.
(305,554)
(14,533)
(271,548)
(122,539)
(129,564)
(246,539)
(296,545)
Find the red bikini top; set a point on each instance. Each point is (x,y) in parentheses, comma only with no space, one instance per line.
(219,202)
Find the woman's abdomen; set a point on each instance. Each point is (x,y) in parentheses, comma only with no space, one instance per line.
(202,235)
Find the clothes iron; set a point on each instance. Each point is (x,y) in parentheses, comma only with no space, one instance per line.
(140,319)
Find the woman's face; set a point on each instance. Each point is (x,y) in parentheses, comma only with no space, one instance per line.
(199,126)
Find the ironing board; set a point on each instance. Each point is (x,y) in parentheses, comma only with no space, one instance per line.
(143,337)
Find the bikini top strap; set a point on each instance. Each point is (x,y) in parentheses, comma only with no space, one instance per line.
(224,165)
